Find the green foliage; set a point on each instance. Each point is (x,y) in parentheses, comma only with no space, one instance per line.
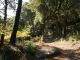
(31,47)
(50,13)
(27,29)
(1,21)
(54,12)
(1,25)
(27,17)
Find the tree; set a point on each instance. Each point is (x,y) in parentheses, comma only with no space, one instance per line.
(5,12)
(15,28)
(27,17)
(40,9)
(57,12)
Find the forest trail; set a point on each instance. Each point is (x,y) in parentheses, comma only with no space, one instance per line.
(68,50)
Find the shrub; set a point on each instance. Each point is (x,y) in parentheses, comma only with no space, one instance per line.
(31,47)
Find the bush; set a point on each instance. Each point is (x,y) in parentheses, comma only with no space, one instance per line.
(31,47)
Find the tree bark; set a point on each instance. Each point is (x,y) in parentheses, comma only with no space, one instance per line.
(65,20)
(15,28)
(2,40)
(5,12)
(65,24)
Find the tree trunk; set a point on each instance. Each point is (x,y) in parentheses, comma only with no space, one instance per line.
(15,28)
(65,20)
(65,24)
(2,40)
(5,12)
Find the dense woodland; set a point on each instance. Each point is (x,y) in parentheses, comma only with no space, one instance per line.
(37,21)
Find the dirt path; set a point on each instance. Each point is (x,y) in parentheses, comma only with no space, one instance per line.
(69,51)
(65,45)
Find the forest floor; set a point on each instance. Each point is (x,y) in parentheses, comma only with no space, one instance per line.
(69,51)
